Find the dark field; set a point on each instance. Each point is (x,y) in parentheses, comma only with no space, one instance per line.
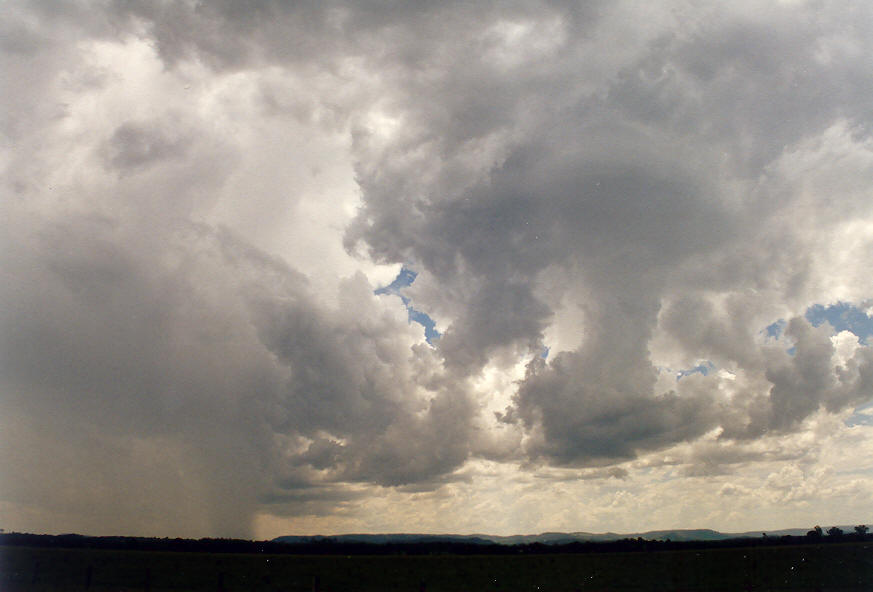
(808,567)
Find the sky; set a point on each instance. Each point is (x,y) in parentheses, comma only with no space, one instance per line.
(331,267)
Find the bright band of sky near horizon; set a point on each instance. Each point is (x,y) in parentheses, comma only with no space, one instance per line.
(640,236)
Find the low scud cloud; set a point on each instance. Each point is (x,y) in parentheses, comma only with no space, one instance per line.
(639,238)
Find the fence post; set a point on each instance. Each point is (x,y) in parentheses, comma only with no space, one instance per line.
(316,584)
(89,573)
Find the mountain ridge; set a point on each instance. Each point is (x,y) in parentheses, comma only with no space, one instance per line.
(548,538)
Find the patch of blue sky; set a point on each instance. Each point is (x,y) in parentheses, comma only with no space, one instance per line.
(842,316)
(430,332)
(404,279)
(545,352)
(775,330)
(863,415)
(704,368)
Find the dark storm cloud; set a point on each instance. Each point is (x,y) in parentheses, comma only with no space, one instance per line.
(218,355)
(674,176)
(642,189)
(586,417)
(399,36)
(497,314)
(98,340)
(351,379)
(613,214)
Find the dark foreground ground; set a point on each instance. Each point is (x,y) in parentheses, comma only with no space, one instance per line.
(834,567)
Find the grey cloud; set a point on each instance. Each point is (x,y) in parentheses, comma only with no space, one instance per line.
(134,146)
(725,336)
(20,37)
(799,384)
(612,213)
(645,191)
(233,35)
(315,501)
(435,487)
(303,500)
(417,449)
(768,81)
(585,475)
(497,314)
(215,357)
(351,379)
(655,165)
(94,337)
(230,35)
(615,219)
(709,458)
(586,421)
(808,380)
(796,377)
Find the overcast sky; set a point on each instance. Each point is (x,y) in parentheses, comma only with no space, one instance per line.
(324,267)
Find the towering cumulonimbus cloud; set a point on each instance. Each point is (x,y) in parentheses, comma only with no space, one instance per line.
(663,182)
(619,215)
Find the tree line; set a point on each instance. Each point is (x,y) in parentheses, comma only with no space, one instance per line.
(328,546)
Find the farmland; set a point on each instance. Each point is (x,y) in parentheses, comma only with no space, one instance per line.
(834,567)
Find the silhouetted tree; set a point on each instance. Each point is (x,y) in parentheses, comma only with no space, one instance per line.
(835,532)
(861,530)
(815,533)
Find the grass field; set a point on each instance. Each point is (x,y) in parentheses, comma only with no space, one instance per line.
(809,567)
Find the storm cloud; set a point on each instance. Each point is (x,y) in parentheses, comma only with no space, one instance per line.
(618,214)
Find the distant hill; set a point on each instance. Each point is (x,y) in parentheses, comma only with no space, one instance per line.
(547,538)
(425,544)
